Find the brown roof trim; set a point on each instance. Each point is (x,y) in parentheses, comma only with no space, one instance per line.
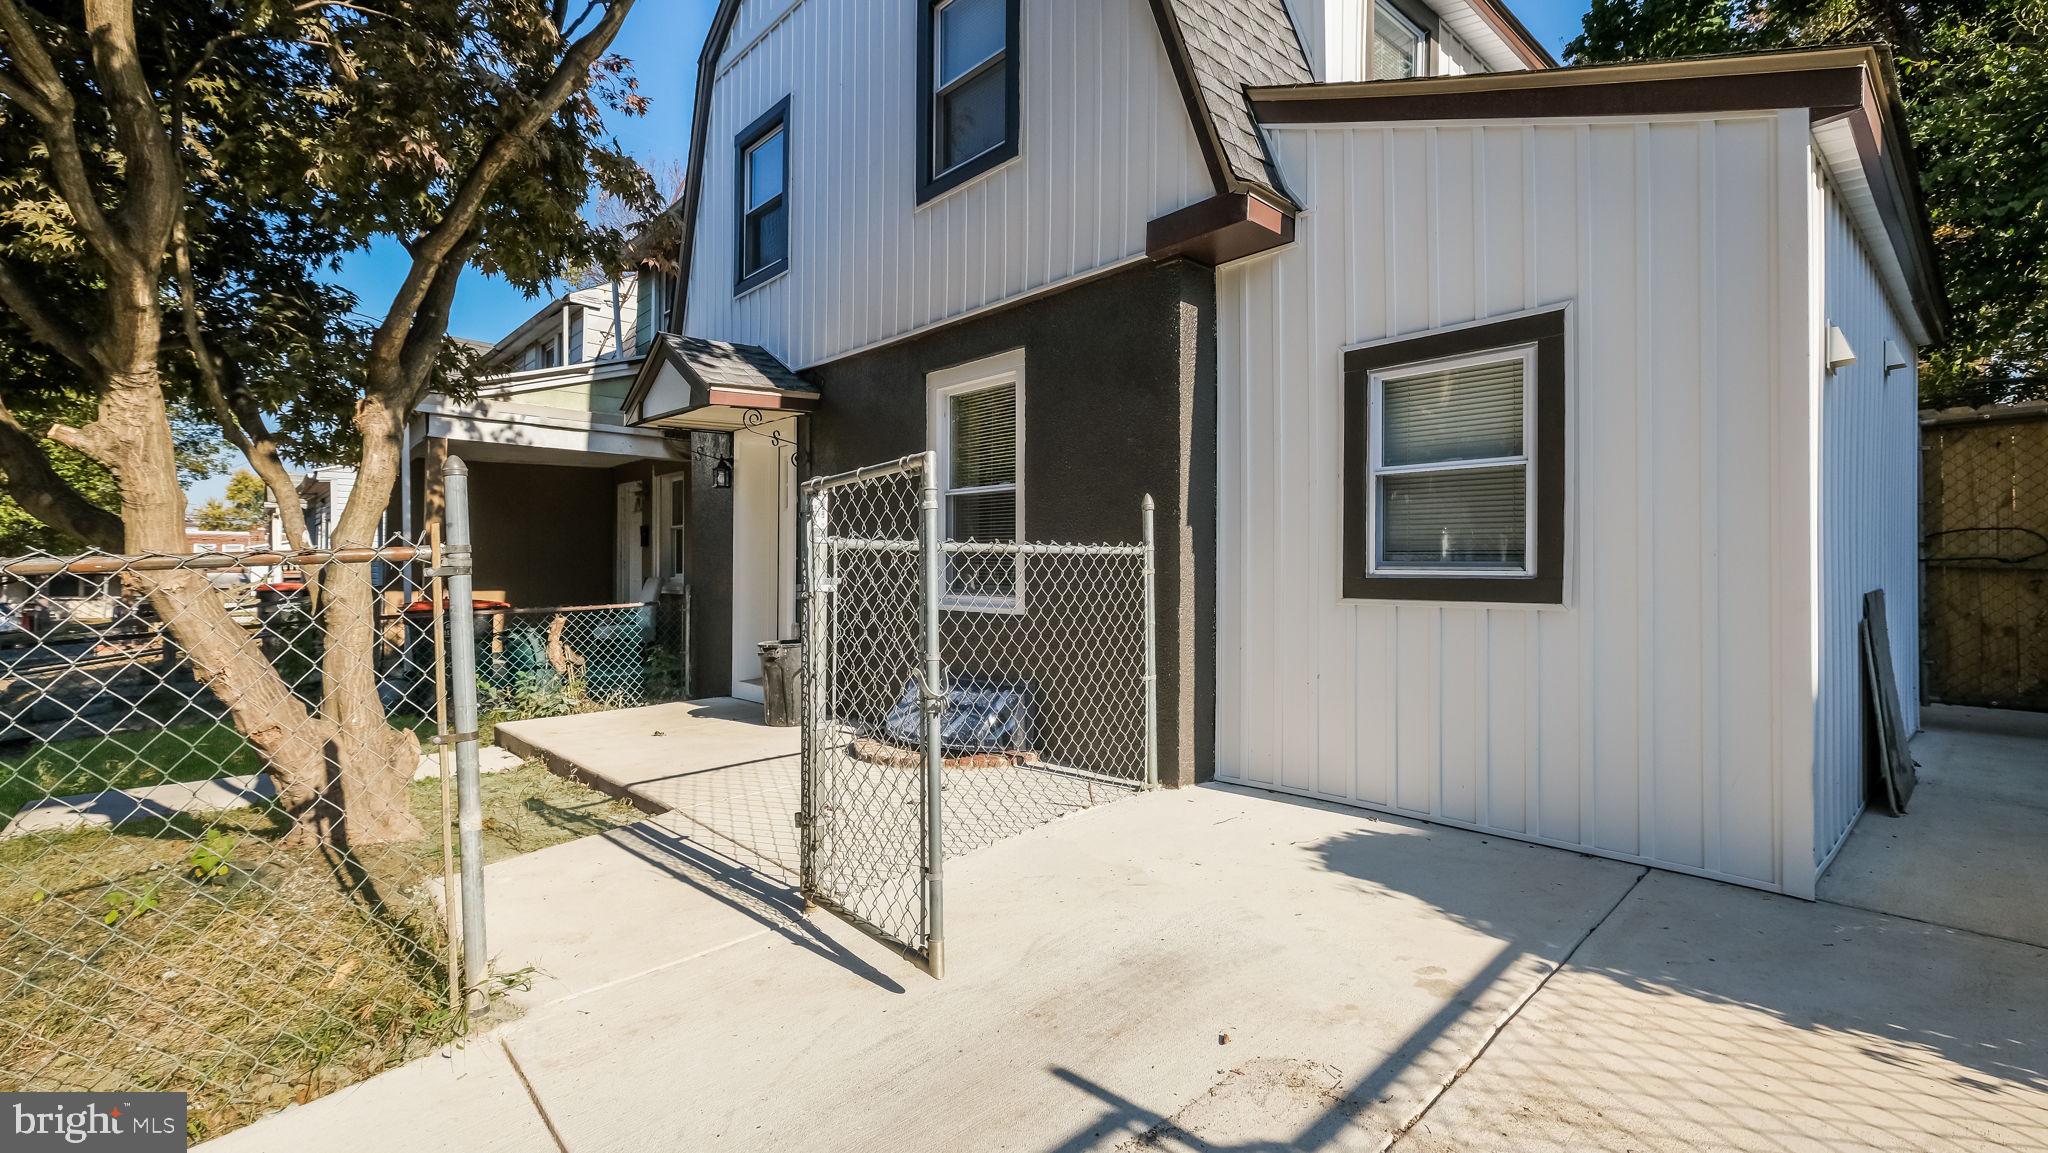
(1510,28)
(1827,80)
(1218,230)
(700,127)
(753,398)
(1191,94)
(1878,124)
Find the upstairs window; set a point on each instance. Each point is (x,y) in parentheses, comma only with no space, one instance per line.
(967,70)
(1400,46)
(1454,464)
(763,171)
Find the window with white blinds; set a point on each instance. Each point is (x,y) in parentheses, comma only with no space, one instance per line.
(978,434)
(1451,474)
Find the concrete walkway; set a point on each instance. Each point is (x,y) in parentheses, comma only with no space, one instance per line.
(1972,850)
(1212,969)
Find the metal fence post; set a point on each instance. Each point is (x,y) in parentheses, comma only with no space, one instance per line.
(456,565)
(933,549)
(1151,678)
(811,512)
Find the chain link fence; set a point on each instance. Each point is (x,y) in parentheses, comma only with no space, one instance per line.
(548,662)
(957,693)
(250,922)
(1984,556)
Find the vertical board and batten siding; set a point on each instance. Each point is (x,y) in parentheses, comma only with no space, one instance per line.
(1106,147)
(1665,714)
(1869,519)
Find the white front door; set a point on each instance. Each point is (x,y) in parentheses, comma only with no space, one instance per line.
(626,565)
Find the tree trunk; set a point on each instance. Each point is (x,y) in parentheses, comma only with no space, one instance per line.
(342,772)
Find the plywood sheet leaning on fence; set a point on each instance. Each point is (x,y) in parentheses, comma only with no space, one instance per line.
(1895,769)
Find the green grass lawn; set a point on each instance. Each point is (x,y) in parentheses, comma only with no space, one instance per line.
(288,975)
(193,752)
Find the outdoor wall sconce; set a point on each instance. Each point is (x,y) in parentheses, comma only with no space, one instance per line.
(721,473)
(1840,354)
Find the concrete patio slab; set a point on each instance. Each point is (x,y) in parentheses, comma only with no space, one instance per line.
(1320,970)
(468,1098)
(1972,850)
(597,911)
(1704,1017)
(712,761)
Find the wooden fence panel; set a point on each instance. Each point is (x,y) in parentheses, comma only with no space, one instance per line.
(1984,556)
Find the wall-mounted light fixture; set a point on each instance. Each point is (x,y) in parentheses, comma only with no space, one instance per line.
(721,473)
(1840,355)
(1895,358)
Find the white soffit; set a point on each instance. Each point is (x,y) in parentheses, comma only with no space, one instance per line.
(1835,141)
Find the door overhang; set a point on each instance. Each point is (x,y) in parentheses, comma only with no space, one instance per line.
(691,383)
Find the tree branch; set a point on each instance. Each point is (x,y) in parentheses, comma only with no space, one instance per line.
(155,188)
(430,325)
(242,423)
(34,483)
(53,108)
(433,249)
(61,339)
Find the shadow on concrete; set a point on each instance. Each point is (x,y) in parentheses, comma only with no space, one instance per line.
(1692,1016)
(774,906)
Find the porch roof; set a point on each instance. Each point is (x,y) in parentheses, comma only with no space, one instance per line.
(691,382)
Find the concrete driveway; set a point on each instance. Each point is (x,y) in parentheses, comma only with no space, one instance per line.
(1213,969)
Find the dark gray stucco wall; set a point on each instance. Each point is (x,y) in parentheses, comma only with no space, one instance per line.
(1119,401)
(708,559)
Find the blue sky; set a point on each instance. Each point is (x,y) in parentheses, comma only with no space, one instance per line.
(662,38)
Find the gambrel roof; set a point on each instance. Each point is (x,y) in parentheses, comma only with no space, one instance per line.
(1219,48)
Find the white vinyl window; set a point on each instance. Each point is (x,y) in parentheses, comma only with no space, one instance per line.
(977,428)
(674,505)
(1399,48)
(1453,493)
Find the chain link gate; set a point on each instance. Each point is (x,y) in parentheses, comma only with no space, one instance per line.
(956,693)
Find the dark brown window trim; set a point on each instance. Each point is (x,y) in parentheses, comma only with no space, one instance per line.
(1545,330)
(931,184)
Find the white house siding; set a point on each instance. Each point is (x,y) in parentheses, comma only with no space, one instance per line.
(1658,717)
(1869,518)
(1106,147)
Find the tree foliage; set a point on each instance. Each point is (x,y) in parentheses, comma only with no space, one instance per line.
(240,510)
(1974,78)
(174,177)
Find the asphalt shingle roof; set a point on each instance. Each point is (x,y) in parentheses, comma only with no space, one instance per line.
(723,364)
(1230,44)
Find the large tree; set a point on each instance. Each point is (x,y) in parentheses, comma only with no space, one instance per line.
(1974,79)
(173,174)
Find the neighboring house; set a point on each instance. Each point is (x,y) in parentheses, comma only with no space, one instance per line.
(1524,439)
(203,540)
(323,493)
(572,505)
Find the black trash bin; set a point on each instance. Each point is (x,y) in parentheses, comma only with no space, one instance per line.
(782,678)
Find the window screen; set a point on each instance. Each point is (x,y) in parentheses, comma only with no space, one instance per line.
(1451,469)
(761,189)
(1396,45)
(982,469)
(767,227)
(969,77)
